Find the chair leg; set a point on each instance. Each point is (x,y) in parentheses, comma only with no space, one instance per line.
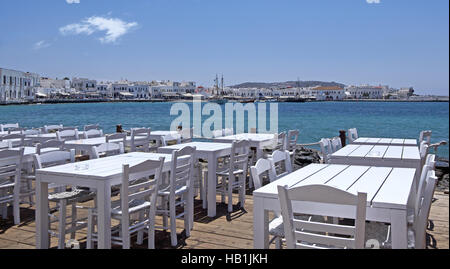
(230,195)
(187,214)
(205,187)
(165,210)
(278,243)
(173,224)
(62,224)
(140,235)
(74,221)
(90,230)
(151,233)
(16,205)
(242,192)
(125,234)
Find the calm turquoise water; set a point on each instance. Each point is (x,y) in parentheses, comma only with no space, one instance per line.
(314,120)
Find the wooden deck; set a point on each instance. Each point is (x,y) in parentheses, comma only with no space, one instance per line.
(210,233)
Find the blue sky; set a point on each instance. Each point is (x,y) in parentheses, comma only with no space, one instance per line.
(394,42)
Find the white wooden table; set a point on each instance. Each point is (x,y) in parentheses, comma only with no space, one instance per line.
(385,141)
(258,141)
(99,174)
(211,152)
(165,136)
(30,151)
(388,196)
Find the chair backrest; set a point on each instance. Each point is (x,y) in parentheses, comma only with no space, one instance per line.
(425,136)
(116,138)
(431,161)
(421,188)
(15,130)
(352,135)
(145,187)
(92,133)
(5,144)
(187,135)
(140,139)
(262,166)
(281,163)
(421,221)
(5,127)
(423,149)
(65,128)
(325,148)
(49,144)
(107,149)
(240,151)
(50,128)
(292,139)
(31,132)
(19,137)
(336,144)
(281,142)
(53,158)
(182,169)
(91,127)
(315,234)
(10,166)
(67,135)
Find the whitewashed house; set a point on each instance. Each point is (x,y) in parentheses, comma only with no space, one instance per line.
(365,92)
(17,85)
(329,93)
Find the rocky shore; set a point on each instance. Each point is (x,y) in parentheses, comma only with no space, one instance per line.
(305,156)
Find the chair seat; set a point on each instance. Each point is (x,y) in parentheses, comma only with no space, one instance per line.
(76,194)
(276,227)
(166,191)
(133,207)
(227,172)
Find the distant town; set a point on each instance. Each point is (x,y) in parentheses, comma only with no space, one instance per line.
(18,87)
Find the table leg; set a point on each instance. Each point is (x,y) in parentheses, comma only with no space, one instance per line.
(260,224)
(42,225)
(212,185)
(259,153)
(104,215)
(399,230)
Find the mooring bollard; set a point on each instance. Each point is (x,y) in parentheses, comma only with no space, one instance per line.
(119,128)
(343,136)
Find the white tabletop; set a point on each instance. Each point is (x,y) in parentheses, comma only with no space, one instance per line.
(378,152)
(103,167)
(200,146)
(386,187)
(385,141)
(249,137)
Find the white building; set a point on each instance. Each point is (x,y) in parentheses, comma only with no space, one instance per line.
(17,85)
(84,85)
(365,92)
(104,90)
(330,93)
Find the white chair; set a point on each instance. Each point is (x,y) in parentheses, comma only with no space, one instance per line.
(425,136)
(136,208)
(336,144)
(67,135)
(91,127)
(178,192)
(10,169)
(32,132)
(186,135)
(228,131)
(49,145)
(62,197)
(320,235)
(5,144)
(5,127)
(17,140)
(423,150)
(140,140)
(265,167)
(52,128)
(107,149)
(431,161)
(15,130)
(92,133)
(281,163)
(217,133)
(117,138)
(325,148)
(352,135)
(292,138)
(234,174)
